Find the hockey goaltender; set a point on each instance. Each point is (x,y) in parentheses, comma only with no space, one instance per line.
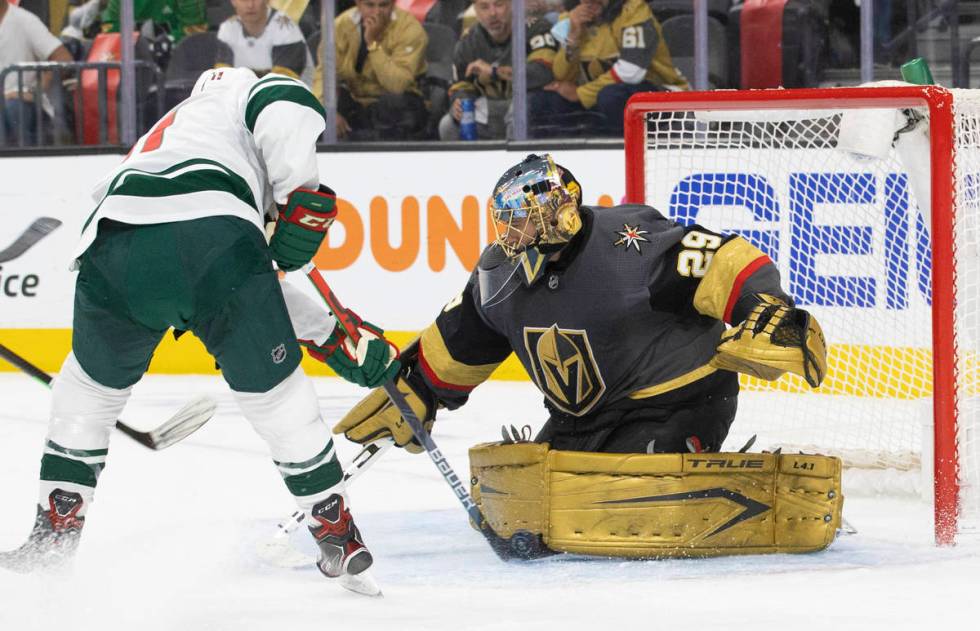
(619,316)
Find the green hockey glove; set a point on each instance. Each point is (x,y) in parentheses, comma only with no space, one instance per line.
(370,363)
(302,225)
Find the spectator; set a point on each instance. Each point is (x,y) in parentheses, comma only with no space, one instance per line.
(380,58)
(482,69)
(177,17)
(611,49)
(24,38)
(263,40)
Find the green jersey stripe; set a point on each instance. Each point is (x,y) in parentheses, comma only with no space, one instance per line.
(58,469)
(269,80)
(143,184)
(279,92)
(323,455)
(179,179)
(315,481)
(78,453)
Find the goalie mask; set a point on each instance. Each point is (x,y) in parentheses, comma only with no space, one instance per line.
(534,209)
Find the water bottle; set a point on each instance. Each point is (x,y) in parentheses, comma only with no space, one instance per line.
(467,122)
(917,71)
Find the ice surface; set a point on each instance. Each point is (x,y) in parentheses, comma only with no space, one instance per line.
(170,544)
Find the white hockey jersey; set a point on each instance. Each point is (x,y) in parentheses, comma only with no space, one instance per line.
(280,48)
(237,144)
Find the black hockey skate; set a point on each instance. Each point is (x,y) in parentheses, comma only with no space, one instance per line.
(343,554)
(54,538)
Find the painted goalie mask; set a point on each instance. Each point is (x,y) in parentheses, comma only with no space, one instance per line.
(534,209)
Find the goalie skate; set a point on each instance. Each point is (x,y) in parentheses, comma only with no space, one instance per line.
(54,538)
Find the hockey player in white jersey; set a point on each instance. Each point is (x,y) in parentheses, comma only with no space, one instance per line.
(177,239)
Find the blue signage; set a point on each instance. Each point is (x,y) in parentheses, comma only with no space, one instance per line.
(907,257)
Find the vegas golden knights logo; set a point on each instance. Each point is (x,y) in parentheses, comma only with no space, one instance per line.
(564,368)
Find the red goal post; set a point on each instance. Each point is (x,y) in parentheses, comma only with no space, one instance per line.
(673,138)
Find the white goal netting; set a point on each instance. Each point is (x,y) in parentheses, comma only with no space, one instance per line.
(840,199)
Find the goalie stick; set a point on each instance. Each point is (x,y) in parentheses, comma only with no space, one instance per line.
(185,422)
(517,546)
(39,229)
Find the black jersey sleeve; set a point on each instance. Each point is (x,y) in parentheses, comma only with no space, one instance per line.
(459,350)
(714,275)
(541,51)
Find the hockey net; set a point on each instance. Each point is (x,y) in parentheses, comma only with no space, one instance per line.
(866,199)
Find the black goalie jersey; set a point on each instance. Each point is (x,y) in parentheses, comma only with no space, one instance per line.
(632,309)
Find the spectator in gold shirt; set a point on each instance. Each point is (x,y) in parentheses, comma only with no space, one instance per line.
(610,50)
(380,58)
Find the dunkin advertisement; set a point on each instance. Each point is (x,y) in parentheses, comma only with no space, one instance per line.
(410,227)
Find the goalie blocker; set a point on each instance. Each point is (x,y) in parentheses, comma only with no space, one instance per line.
(656,505)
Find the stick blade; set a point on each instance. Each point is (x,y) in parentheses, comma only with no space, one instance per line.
(39,229)
(44,225)
(185,422)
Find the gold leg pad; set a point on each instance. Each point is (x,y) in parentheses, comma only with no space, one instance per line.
(660,505)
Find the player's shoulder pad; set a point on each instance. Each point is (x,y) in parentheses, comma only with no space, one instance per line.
(278,88)
(614,217)
(632,228)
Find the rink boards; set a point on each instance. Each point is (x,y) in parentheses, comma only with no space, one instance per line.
(411,225)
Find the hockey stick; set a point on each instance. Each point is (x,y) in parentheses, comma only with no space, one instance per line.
(518,546)
(185,422)
(39,229)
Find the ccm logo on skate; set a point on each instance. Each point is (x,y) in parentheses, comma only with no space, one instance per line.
(14,285)
(725,463)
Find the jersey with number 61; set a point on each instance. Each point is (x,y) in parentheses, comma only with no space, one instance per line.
(634,307)
(237,144)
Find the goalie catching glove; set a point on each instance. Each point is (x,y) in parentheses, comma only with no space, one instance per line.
(376,417)
(302,225)
(370,362)
(774,338)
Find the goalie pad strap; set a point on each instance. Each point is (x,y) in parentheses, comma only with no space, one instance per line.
(661,505)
